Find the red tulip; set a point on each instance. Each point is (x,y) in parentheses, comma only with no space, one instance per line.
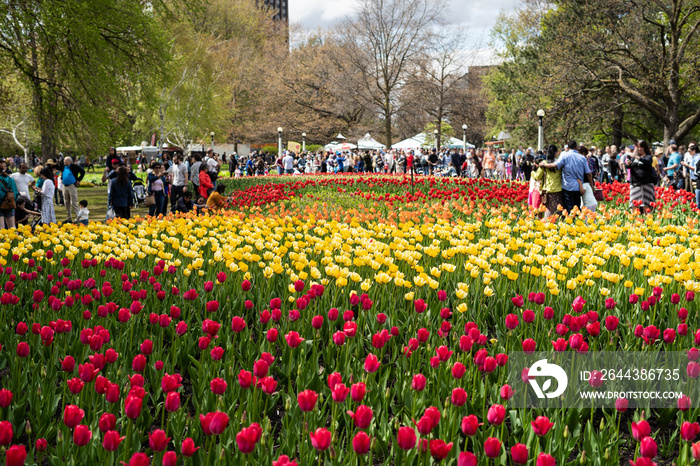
(512,321)
(169,458)
(188,449)
(75,385)
(459,396)
(139,459)
(15,455)
(307,400)
(406,438)
(545,459)
(695,451)
(111,440)
(237,324)
(361,443)
(22,349)
(470,424)
(506,392)
(689,431)
(496,414)
(41,444)
(371,363)
(439,449)
(107,422)
(293,339)
(492,447)
(467,458)
(248,437)
(640,430)
(81,435)
(214,423)
(683,403)
(362,416)
(357,392)
(519,453)
(158,440)
(132,407)
(648,448)
(72,415)
(218,386)
(541,425)
(6,433)
(172,402)
(320,439)
(420,306)
(339,392)
(621,404)
(418,383)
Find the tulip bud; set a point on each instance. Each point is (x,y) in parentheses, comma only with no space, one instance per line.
(244,416)
(583,457)
(28,428)
(607,454)
(387,395)
(223,452)
(287,405)
(602,424)
(59,436)
(320,399)
(566,431)
(333,454)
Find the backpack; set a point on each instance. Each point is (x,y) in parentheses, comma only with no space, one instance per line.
(8,202)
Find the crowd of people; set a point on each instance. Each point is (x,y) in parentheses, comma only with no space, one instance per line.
(558,180)
(167,182)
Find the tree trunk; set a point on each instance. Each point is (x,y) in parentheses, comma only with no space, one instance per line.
(618,119)
(387,120)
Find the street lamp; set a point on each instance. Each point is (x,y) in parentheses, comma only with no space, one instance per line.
(279,141)
(303,142)
(464,137)
(540,135)
(212,140)
(436,132)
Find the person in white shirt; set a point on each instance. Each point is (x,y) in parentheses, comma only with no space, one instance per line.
(83,216)
(23,180)
(178,171)
(288,163)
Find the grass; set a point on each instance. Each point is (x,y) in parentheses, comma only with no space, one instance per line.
(97,204)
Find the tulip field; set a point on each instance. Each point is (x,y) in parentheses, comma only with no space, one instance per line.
(342,320)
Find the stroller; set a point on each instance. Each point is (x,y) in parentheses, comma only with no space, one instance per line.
(139,192)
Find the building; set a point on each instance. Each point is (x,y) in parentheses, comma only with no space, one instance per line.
(279,7)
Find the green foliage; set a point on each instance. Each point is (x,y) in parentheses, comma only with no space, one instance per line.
(270,149)
(313,147)
(446,132)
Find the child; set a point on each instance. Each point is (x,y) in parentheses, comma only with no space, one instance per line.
(83,214)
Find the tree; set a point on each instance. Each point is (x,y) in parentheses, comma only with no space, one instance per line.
(381,43)
(633,71)
(646,51)
(75,56)
(441,71)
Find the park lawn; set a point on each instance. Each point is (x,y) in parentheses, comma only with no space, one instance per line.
(97,204)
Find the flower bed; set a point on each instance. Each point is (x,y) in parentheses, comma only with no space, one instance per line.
(340,320)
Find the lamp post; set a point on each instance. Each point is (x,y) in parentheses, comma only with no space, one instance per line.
(540,135)
(303,142)
(464,137)
(279,141)
(212,140)
(436,132)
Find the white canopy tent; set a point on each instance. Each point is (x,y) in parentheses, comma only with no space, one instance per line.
(369,143)
(335,146)
(418,141)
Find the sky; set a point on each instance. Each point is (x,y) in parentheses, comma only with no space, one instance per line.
(476,15)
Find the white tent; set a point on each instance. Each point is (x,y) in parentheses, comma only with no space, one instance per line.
(334,146)
(455,143)
(418,141)
(368,143)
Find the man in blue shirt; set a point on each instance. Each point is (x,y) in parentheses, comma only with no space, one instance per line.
(674,161)
(574,167)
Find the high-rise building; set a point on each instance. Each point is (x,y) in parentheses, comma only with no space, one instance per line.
(280,9)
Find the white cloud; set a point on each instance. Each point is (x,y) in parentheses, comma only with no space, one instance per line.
(476,15)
